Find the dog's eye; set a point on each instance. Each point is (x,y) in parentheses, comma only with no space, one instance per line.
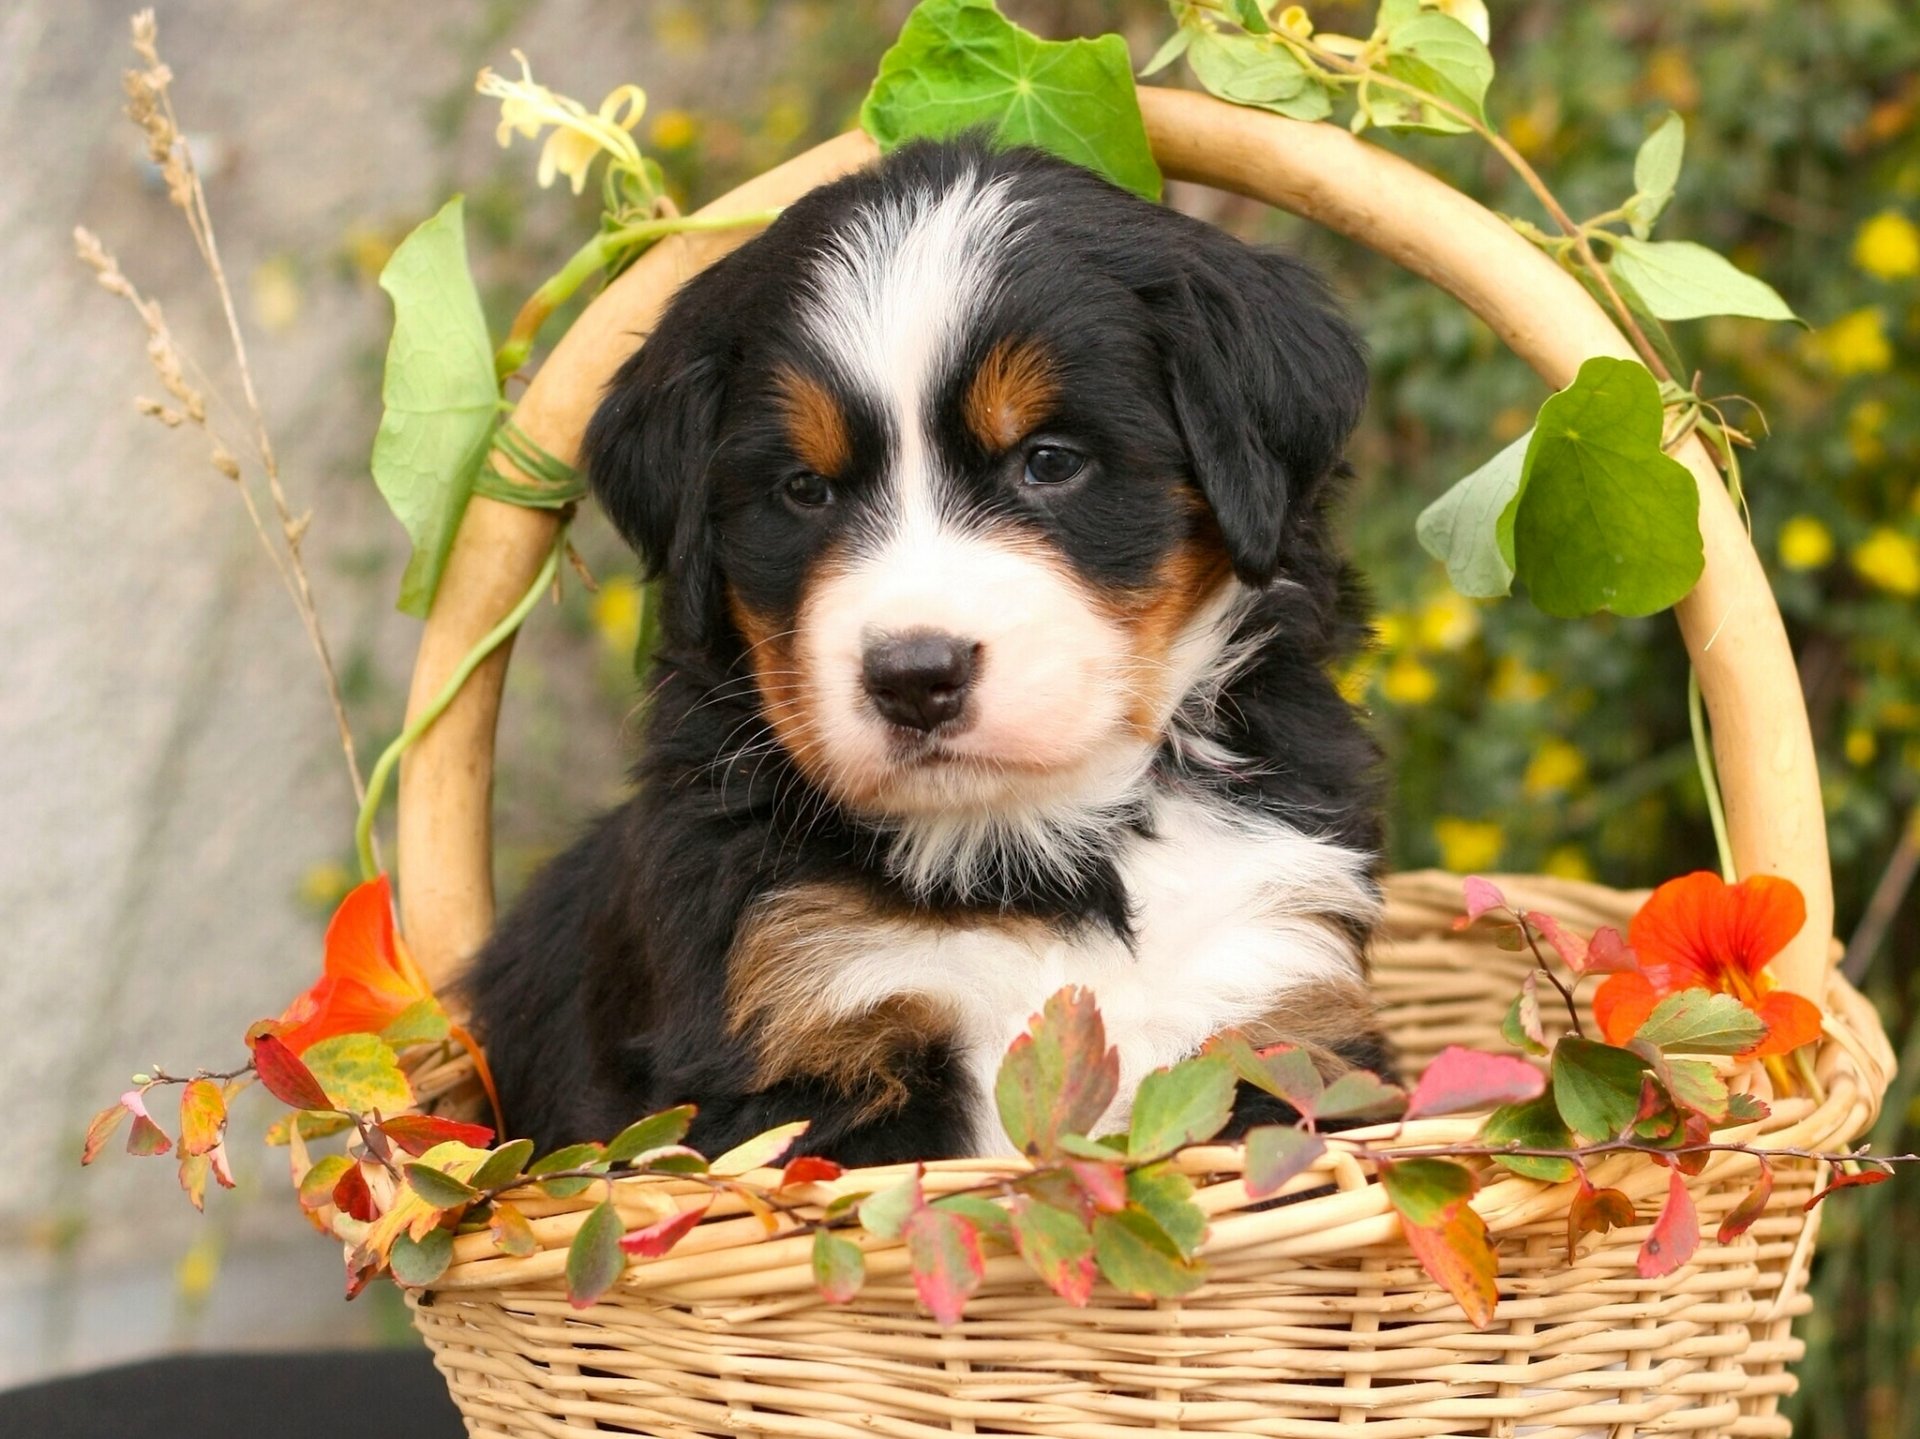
(808,491)
(1053,464)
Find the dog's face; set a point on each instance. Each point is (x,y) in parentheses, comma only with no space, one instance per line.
(970,456)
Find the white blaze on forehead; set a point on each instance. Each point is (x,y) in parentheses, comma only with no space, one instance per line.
(892,296)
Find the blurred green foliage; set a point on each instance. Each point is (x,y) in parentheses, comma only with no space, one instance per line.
(1520,742)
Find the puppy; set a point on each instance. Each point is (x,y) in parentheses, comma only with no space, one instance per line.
(992,508)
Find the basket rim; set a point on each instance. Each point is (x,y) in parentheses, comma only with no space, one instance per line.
(1730,622)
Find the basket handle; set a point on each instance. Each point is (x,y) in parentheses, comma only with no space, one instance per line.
(1730,623)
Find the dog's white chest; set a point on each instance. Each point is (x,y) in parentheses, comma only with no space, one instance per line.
(1229,911)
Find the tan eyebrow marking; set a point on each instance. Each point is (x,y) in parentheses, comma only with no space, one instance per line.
(816,425)
(1011,392)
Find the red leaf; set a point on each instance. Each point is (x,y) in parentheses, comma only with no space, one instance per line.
(358,1278)
(1571,948)
(1608,953)
(944,1252)
(1459,1080)
(1482,895)
(100,1129)
(809,1169)
(1740,1219)
(417,1133)
(1105,1185)
(1059,1077)
(1843,1180)
(203,1114)
(657,1238)
(285,1077)
(352,1197)
(1595,1211)
(1676,1234)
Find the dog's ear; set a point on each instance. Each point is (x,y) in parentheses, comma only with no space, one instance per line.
(1267,382)
(651,444)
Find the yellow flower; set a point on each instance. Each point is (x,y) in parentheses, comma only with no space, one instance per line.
(1805,543)
(1670,76)
(1889,560)
(1390,629)
(1467,845)
(1470,13)
(1854,344)
(1888,247)
(617,611)
(672,130)
(527,108)
(1408,682)
(1514,680)
(1555,768)
(1861,746)
(1448,621)
(1356,679)
(1295,21)
(1865,421)
(1568,861)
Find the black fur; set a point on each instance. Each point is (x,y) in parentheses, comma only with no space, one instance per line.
(1189,359)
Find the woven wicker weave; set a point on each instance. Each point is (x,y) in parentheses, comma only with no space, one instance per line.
(1316,1323)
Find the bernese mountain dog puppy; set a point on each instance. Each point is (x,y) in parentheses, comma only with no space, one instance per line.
(992,503)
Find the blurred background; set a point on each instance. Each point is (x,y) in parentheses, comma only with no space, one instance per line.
(176,822)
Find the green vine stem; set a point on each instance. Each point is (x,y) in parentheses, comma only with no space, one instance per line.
(1709,775)
(603,252)
(475,657)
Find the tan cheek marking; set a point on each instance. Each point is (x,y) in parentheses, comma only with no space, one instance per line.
(1155,617)
(1318,1017)
(816,425)
(1011,393)
(782,960)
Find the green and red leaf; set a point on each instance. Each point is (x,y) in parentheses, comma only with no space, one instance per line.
(660,1236)
(885,1212)
(763,1151)
(1741,1217)
(1445,1233)
(594,1260)
(943,1251)
(100,1129)
(418,1262)
(417,1133)
(1359,1094)
(1138,1257)
(203,1115)
(1275,1154)
(318,1183)
(1596,1086)
(1057,1245)
(1534,1125)
(510,1231)
(1460,1080)
(284,1076)
(1059,1077)
(1595,1211)
(656,1131)
(438,1188)
(839,1268)
(1184,1104)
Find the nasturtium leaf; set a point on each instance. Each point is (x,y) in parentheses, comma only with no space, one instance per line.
(1533,1125)
(594,1260)
(656,1131)
(1445,1233)
(1656,170)
(1740,1218)
(959,64)
(1139,1258)
(284,1076)
(1462,528)
(1595,1211)
(317,1184)
(418,1262)
(943,1253)
(1457,1080)
(1699,1021)
(1676,1234)
(1605,519)
(360,1074)
(1167,1195)
(503,1165)
(839,1268)
(439,1188)
(510,1231)
(440,397)
(1275,1154)
(1059,1077)
(100,1129)
(1243,70)
(1358,1094)
(884,1213)
(1058,1246)
(203,1114)
(759,1152)
(1441,56)
(417,1133)
(1679,280)
(422,1022)
(654,1240)
(981,1212)
(1189,1102)
(1596,1086)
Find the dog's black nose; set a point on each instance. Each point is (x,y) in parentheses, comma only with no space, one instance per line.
(919,679)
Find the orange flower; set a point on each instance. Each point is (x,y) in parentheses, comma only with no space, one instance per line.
(369,981)
(1699,932)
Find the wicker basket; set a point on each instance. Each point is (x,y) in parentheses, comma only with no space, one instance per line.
(1316,1322)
